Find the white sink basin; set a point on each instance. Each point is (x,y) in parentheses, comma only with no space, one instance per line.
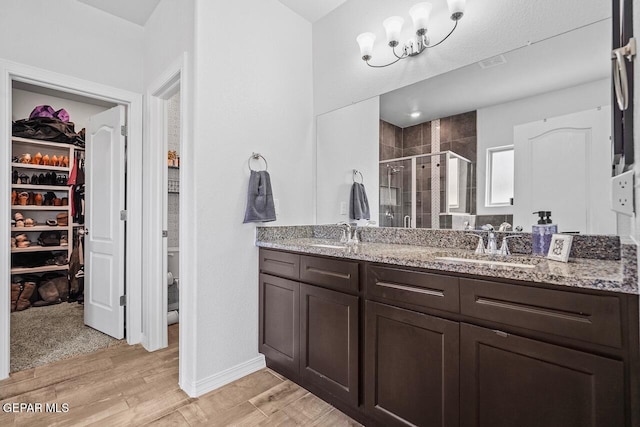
(485,262)
(319,245)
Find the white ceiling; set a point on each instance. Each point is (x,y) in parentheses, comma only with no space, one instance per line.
(570,59)
(312,10)
(136,11)
(139,11)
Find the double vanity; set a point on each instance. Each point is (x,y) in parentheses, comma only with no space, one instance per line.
(410,327)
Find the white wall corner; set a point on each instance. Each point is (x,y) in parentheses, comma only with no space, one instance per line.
(217,380)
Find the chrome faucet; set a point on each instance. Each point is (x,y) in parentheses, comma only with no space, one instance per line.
(346,232)
(504,248)
(492,244)
(492,241)
(349,236)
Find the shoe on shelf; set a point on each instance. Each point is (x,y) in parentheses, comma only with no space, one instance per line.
(64,241)
(61,260)
(23,198)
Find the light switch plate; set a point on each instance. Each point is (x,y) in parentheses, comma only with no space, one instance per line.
(622,199)
(276,205)
(343,208)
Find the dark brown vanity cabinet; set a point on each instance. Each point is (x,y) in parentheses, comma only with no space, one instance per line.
(432,349)
(411,367)
(507,381)
(311,333)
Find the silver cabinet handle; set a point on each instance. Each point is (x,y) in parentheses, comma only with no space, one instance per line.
(620,78)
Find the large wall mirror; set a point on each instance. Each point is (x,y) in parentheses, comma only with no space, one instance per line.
(489,143)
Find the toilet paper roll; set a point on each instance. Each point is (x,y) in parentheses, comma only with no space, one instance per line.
(170,278)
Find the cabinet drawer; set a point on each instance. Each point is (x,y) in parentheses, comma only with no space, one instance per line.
(330,273)
(591,318)
(281,264)
(413,287)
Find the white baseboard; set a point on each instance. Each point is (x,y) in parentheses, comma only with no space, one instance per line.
(205,385)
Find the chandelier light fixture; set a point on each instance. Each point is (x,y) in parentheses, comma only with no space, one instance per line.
(414,46)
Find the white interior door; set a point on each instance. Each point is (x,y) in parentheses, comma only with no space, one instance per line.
(105,198)
(563,165)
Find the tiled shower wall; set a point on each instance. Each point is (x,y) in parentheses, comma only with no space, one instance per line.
(173,214)
(457,133)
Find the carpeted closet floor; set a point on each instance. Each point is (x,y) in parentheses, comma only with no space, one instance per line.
(41,335)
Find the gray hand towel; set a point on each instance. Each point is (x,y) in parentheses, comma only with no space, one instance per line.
(358,203)
(260,206)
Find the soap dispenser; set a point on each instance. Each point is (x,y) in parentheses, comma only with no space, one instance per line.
(542,233)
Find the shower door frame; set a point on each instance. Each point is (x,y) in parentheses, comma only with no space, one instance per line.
(414,161)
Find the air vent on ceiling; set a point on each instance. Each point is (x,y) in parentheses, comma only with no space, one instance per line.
(493,62)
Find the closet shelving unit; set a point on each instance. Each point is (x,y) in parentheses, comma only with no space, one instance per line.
(41,213)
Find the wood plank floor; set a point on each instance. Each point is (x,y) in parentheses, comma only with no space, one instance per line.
(128,386)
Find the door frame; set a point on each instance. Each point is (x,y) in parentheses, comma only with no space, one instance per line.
(12,71)
(154,256)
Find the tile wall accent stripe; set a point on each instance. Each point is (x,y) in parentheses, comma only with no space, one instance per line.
(435,174)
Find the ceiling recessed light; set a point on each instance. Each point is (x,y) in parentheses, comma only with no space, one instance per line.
(415,114)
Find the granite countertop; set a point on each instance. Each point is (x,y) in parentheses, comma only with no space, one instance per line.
(601,274)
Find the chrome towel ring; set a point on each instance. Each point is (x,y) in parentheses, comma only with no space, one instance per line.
(356,172)
(257,156)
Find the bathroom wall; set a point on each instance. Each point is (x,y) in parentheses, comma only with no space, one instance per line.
(390,141)
(253,95)
(74,39)
(346,140)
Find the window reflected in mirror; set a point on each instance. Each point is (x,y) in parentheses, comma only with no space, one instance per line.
(499,176)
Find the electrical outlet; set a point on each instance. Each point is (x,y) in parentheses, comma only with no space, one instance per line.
(276,205)
(343,208)
(622,193)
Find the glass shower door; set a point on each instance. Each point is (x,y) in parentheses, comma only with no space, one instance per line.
(395,194)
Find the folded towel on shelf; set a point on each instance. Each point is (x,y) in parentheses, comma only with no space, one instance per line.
(260,206)
(358,203)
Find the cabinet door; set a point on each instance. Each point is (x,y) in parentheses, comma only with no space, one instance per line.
(507,381)
(279,324)
(411,367)
(329,341)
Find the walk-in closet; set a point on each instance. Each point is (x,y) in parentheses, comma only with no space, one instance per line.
(48,203)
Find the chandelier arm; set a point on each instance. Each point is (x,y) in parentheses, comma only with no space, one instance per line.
(386,65)
(396,55)
(446,37)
